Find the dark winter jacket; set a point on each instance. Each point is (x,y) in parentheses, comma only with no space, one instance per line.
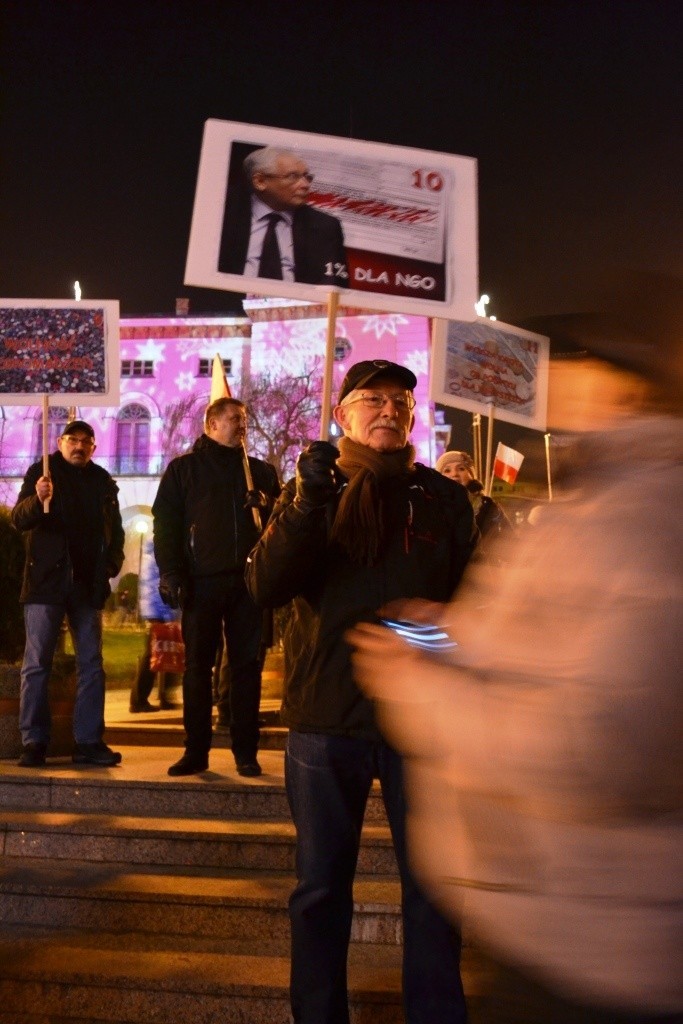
(200,524)
(424,555)
(81,537)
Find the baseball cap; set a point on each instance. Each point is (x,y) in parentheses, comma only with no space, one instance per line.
(78,427)
(363,373)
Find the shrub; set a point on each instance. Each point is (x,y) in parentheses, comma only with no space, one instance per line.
(12,636)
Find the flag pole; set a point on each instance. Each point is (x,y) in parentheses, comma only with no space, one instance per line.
(46,464)
(221,389)
(489,452)
(476,444)
(547,466)
(326,404)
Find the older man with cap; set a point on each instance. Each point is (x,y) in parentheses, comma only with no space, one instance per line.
(358,527)
(72,551)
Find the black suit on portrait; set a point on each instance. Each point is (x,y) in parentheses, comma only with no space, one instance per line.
(318,241)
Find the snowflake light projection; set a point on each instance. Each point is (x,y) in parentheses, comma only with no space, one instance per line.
(152,350)
(185,382)
(383,323)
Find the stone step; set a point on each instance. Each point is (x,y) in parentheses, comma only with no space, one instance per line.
(140,785)
(213,903)
(247,844)
(128,979)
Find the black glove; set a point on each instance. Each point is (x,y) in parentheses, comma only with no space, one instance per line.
(256,499)
(316,480)
(170,587)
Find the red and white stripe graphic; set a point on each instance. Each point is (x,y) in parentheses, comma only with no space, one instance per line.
(506,463)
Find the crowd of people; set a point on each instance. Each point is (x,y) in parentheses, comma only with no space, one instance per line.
(529,766)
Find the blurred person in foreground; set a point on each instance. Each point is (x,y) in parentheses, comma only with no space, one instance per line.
(544,756)
(359,526)
(72,551)
(203,530)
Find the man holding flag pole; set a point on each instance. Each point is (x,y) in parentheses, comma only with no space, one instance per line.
(208,513)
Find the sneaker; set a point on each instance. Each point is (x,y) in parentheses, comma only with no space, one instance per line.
(190,764)
(250,769)
(96,753)
(33,755)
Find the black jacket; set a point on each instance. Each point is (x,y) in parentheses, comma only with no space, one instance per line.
(49,567)
(425,554)
(200,524)
(318,239)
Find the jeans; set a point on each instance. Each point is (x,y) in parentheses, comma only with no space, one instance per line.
(328,779)
(216,602)
(43,624)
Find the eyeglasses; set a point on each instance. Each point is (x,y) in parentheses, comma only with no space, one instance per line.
(292,177)
(377,400)
(74,441)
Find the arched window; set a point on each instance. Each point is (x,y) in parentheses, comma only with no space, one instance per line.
(57,416)
(132,439)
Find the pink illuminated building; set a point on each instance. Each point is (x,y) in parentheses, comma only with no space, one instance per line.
(166,366)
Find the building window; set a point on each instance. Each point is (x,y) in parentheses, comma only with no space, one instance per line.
(132,440)
(137,368)
(57,416)
(206,366)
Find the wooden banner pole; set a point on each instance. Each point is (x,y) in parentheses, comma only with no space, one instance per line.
(46,465)
(547,466)
(489,452)
(332,306)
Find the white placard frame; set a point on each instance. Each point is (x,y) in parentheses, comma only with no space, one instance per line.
(110,396)
(460,258)
(507,364)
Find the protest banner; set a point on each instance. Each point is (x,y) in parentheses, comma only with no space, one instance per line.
(52,348)
(391,228)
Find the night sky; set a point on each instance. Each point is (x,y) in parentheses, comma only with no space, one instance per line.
(572,110)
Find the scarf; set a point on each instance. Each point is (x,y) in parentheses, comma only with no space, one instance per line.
(360,520)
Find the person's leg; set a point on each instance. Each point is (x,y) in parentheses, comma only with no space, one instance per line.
(143,684)
(43,623)
(85,624)
(221,673)
(432,987)
(201,625)
(243,622)
(328,779)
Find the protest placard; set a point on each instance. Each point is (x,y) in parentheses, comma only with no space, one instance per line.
(488,365)
(389,227)
(52,347)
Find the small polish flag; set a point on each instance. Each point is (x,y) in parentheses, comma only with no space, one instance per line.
(219,383)
(506,463)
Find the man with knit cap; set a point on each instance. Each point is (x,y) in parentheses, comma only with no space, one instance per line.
(359,527)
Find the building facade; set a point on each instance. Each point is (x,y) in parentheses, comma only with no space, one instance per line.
(166,381)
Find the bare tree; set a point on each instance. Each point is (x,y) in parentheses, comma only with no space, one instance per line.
(183,423)
(284,415)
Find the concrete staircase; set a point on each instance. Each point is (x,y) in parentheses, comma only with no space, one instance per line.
(126,896)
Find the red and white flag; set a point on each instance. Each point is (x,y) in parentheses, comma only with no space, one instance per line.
(506,463)
(219,382)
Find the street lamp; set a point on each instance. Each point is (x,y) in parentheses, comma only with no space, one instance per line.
(141,527)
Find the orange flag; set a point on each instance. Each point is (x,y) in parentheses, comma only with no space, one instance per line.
(219,382)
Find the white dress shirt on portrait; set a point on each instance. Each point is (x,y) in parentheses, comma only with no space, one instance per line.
(283,230)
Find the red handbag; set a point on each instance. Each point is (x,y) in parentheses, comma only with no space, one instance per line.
(167,650)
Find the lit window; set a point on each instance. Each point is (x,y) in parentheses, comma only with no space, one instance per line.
(137,368)
(206,366)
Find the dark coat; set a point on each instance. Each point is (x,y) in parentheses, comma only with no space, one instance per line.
(318,244)
(48,571)
(425,554)
(200,524)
